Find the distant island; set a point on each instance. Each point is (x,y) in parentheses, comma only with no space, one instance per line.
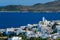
(53,6)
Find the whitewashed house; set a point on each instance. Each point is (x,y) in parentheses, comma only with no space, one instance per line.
(15,38)
(58,28)
(9,31)
(20,31)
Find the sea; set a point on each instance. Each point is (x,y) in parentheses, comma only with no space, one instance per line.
(17,19)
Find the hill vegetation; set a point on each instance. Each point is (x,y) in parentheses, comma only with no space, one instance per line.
(53,6)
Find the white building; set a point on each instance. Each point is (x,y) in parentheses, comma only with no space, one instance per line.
(44,22)
(29,26)
(57,21)
(29,34)
(15,38)
(58,28)
(2,30)
(44,26)
(8,30)
(54,36)
(22,27)
(19,31)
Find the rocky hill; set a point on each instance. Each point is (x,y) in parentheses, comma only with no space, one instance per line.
(50,6)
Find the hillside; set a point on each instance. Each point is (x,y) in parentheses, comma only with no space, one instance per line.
(50,6)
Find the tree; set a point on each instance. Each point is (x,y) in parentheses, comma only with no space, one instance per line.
(34,38)
(58,38)
(23,36)
(1,34)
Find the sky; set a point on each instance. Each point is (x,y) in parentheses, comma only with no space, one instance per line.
(22,2)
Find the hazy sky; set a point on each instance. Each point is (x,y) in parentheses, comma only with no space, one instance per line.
(22,2)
